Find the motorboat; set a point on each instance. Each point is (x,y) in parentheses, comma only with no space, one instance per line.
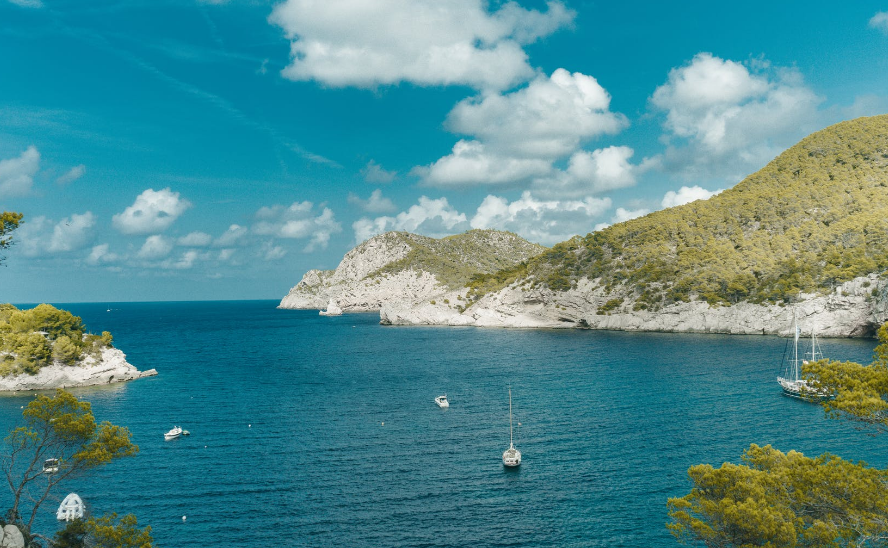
(442,401)
(71,508)
(174,433)
(51,466)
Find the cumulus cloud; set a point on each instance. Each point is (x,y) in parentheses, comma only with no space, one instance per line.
(543,221)
(233,236)
(880,21)
(71,175)
(369,43)
(686,195)
(41,236)
(152,212)
(271,252)
(517,136)
(725,119)
(374,173)
(590,173)
(17,174)
(101,254)
(195,239)
(376,203)
(298,221)
(155,247)
(435,218)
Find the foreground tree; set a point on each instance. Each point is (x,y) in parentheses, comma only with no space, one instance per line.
(860,391)
(776,500)
(9,221)
(63,428)
(103,532)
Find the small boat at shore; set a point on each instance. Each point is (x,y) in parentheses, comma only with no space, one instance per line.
(442,401)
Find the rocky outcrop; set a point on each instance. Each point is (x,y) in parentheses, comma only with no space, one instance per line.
(11,537)
(111,368)
(855,309)
(400,267)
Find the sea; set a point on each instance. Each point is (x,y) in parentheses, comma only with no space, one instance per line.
(308,430)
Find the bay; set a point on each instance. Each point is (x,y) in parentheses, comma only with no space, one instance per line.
(322,431)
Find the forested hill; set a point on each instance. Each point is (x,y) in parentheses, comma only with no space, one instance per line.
(815,216)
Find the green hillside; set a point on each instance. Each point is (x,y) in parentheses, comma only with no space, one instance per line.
(455,259)
(815,216)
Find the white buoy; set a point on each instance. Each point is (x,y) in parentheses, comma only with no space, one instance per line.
(183,518)
(383,423)
(249,426)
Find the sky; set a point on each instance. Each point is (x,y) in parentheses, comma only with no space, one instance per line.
(211,149)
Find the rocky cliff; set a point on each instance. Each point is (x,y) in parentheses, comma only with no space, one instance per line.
(111,368)
(407,268)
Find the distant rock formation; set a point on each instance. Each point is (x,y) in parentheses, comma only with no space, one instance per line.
(111,368)
(407,268)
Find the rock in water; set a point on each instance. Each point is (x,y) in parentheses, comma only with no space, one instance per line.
(12,537)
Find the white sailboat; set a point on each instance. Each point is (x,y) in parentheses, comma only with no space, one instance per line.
(792,383)
(511,456)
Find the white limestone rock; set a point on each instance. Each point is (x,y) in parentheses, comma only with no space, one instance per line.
(111,368)
(11,537)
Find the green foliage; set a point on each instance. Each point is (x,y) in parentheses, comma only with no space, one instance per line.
(776,500)
(64,428)
(455,260)
(31,339)
(860,392)
(610,305)
(105,533)
(9,221)
(72,536)
(814,217)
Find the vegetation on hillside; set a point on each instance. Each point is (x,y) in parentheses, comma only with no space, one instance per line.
(814,217)
(454,260)
(30,339)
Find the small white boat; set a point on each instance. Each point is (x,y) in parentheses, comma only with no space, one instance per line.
(174,433)
(511,456)
(442,401)
(51,466)
(71,508)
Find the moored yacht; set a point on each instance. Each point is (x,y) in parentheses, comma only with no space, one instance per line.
(511,456)
(442,401)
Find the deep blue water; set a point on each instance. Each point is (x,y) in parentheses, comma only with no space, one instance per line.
(317,431)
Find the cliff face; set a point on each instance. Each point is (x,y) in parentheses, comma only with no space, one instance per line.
(407,268)
(855,309)
(111,368)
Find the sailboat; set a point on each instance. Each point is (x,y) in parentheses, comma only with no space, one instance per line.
(793,384)
(511,456)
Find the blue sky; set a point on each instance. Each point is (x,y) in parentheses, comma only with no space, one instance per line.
(170,150)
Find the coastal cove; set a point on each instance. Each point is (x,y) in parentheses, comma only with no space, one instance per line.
(322,431)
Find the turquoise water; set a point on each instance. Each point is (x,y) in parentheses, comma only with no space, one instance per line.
(317,431)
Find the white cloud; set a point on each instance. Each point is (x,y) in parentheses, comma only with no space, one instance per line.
(880,21)
(155,247)
(17,174)
(27,3)
(723,120)
(542,221)
(547,119)
(101,254)
(41,236)
(298,221)
(376,203)
(471,163)
(153,211)
(185,261)
(271,252)
(233,236)
(686,195)
(195,239)
(369,43)
(435,218)
(72,175)
(590,173)
(374,173)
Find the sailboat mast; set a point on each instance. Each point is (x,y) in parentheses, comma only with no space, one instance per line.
(795,351)
(510,417)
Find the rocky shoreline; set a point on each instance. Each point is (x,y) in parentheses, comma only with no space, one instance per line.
(111,368)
